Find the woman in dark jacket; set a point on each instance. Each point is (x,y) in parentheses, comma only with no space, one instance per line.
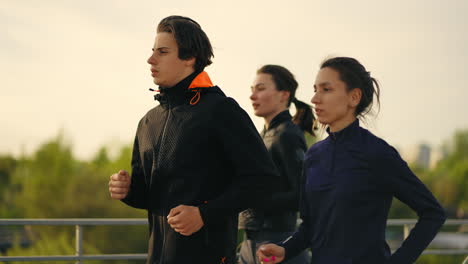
(351,179)
(273,91)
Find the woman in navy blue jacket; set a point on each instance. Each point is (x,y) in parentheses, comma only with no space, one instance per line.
(351,178)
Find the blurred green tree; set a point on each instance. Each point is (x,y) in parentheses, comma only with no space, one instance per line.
(53,184)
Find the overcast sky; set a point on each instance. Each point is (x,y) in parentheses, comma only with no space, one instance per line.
(80,66)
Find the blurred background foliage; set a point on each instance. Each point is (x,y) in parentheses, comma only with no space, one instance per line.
(52,183)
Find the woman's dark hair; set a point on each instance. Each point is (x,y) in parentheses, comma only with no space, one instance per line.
(191,40)
(285,81)
(354,75)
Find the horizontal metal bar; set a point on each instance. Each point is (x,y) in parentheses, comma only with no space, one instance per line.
(142,221)
(399,222)
(76,221)
(445,252)
(144,256)
(71,257)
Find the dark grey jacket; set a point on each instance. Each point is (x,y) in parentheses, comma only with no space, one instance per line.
(286,144)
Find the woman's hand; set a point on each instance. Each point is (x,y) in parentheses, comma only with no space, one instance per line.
(270,253)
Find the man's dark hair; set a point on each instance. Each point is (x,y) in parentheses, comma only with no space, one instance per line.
(191,40)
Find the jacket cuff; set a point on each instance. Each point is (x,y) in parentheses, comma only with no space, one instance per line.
(288,248)
(205,214)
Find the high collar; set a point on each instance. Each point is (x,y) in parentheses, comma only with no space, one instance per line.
(279,118)
(345,132)
(184,90)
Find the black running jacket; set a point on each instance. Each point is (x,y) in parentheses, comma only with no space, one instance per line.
(198,148)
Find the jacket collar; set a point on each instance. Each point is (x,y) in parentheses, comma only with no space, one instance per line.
(276,121)
(280,118)
(190,87)
(344,133)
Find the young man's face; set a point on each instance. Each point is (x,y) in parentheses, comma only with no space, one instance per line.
(166,67)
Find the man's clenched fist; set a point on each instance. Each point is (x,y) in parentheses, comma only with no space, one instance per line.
(185,219)
(119,185)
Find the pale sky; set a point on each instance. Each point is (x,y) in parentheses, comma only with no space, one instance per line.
(80,66)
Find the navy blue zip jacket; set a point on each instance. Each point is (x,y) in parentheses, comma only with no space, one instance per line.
(351,178)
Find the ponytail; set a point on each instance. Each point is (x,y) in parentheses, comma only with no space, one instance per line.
(355,75)
(285,81)
(304,117)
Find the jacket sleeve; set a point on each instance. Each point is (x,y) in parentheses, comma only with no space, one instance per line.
(254,172)
(398,179)
(138,194)
(288,155)
(300,240)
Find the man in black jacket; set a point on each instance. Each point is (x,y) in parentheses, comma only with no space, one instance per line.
(197,157)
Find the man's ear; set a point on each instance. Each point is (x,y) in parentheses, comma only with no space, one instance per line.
(355,96)
(190,62)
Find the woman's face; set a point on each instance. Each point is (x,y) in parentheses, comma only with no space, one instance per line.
(266,100)
(334,105)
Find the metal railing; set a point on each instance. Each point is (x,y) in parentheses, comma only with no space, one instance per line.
(408,224)
(79,223)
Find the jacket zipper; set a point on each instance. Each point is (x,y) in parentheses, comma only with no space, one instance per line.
(332,169)
(163,205)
